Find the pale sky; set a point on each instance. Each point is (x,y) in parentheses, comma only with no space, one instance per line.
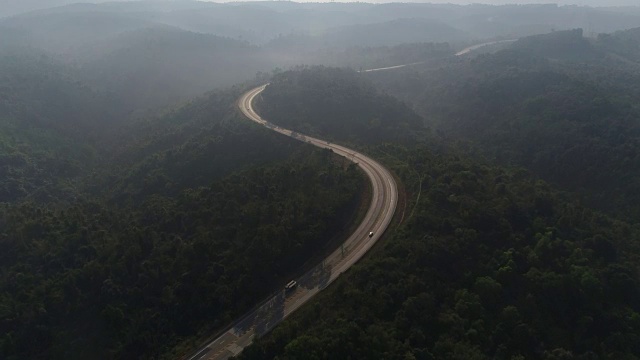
(490,2)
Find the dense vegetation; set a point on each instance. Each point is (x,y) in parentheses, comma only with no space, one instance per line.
(201,141)
(356,57)
(156,66)
(492,265)
(47,123)
(337,104)
(90,281)
(559,105)
(131,227)
(168,229)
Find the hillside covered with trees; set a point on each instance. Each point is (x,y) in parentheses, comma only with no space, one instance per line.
(337,104)
(133,281)
(140,212)
(152,54)
(48,122)
(176,226)
(490,262)
(560,105)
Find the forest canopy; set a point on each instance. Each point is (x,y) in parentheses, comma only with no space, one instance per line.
(141,213)
(558,104)
(185,223)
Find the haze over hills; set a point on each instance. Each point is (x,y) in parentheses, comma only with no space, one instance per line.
(10,7)
(156,53)
(140,213)
(493,262)
(152,67)
(554,103)
(261,22)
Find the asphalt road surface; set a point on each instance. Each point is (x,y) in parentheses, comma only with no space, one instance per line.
(277,307)
(281,304)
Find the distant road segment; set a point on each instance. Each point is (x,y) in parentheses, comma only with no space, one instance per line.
(392,67)
(276,308)
(459,53)
(476,47)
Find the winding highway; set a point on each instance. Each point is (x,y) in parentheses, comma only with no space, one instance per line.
(281,304)
(277,307)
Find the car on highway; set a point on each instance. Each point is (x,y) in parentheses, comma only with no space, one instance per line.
(370,233)
(290,286)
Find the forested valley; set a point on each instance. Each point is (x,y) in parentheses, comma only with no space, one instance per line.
(491,261)
(141,213)
(124,239)
(560,105)
(491,264)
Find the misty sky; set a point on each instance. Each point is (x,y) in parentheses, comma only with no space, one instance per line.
(501,2)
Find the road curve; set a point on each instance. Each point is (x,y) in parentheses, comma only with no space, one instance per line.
(274,309)
(277,307)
